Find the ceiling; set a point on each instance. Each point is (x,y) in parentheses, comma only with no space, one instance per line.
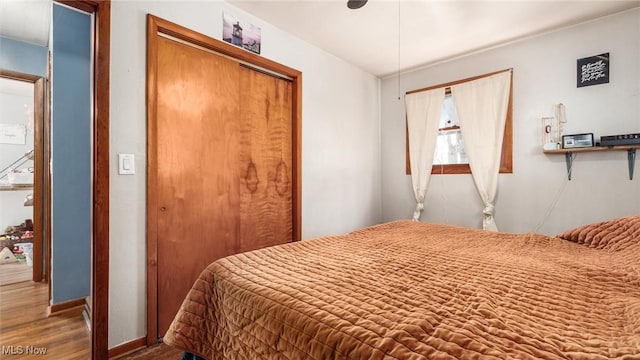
(383,37)
(26,20)
(387,36)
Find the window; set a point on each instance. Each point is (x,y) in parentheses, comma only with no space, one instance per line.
(449,156)
(449,145)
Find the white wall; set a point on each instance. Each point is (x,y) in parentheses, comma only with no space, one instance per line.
(537,196)
(340,142)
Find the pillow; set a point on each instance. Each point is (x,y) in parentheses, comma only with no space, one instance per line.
(617,234)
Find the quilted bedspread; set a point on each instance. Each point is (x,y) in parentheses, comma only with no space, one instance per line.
(411,290)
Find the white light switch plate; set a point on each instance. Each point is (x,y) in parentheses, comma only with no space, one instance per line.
(126,164)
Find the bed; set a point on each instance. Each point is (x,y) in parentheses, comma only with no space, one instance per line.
(412,290)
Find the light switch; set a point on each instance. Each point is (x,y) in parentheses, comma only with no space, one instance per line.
(126,164)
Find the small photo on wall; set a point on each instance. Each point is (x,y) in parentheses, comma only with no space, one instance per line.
(241,34)
(593,70)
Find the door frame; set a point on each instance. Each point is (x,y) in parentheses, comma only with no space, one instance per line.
(40,165)
(156,26)
(101,10)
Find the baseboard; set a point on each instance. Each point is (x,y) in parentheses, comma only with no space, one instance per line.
(56,309)
(127,348)
(86,313)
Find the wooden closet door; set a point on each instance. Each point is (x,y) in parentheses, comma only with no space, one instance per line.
(265,160)
(198,151)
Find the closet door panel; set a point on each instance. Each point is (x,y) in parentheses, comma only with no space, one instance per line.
(198,155)
(265,160)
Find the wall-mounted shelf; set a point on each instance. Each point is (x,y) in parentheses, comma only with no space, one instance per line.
(569,154)
(16,187)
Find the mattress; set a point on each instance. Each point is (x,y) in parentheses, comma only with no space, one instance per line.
(412,290)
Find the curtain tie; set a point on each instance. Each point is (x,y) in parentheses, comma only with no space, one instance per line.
(488,210)
(488,223)
(416,213)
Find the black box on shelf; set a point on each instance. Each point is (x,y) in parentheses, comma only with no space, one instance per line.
(615,140)
(577,141)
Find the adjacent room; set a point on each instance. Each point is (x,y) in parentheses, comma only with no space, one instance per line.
(327,179)
(16,180)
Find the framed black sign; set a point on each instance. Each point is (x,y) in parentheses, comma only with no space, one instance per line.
(593,70)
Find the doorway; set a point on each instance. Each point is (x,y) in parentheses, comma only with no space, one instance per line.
(22,177)
(99,300)
(99,252)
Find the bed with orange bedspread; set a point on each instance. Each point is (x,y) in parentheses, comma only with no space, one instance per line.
(411,290)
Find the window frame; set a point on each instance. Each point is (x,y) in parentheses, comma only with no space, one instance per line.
(506,157)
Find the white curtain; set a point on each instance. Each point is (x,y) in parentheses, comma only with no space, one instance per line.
(482,111)
(423,117)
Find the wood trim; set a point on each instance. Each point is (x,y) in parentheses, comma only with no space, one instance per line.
(47,175)
(100,248)
(407,154)
(592,149)
(86,6)
(190,36)
(506,157)
(156,25)
(18,76)
(127,348)
(450,169)
(47,178)
(152,183)
(297,158)
(449,84)
(38,181)
(56,309)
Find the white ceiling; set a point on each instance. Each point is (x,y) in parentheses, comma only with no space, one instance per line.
(429,32)
(26,20)
(383,37)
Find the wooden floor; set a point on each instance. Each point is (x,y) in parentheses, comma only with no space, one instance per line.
(24,326)
(15,272)
(25,329)
(157,352)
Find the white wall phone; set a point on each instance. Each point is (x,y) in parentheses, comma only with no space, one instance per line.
(552,128)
